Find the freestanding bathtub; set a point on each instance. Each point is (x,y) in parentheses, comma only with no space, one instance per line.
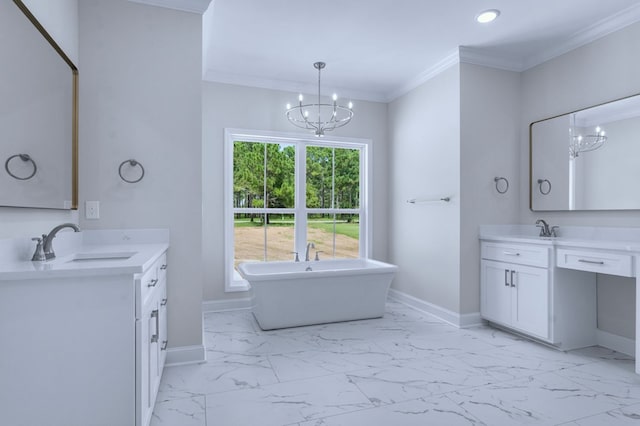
(286,294)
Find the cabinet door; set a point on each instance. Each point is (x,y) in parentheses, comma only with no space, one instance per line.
(142,368)
(164,340)
(154,353)
(147,346)
(530,300)
(495,292)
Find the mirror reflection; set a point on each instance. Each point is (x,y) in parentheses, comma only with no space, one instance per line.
(37,115)
(587,159)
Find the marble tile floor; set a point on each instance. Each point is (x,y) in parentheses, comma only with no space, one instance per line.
(405,369)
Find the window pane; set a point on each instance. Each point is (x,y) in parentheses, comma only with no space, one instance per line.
(280,183)
(251,185)
(248,235)
(319,177)
(255,241)
(336,236)
(347,178)
(248,174)
(280,237)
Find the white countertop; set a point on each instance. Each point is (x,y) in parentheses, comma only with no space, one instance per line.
(140,249)
(619,239)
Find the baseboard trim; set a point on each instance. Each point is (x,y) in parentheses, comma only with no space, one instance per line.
(453,318)
(227,304)
(186,355)
(617,343)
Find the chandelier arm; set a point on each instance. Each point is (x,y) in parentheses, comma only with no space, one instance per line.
(328,114)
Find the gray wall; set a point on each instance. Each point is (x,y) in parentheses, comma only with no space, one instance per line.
(601,71)
(451,137)
(424,239)
(140,97)
(490,110)
(229,106)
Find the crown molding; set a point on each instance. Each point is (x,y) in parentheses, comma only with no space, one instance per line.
(597,30)
(448,61)
(477,56)
(193,6)
(288,86)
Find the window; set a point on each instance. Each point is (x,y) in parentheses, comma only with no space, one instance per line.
(283,192)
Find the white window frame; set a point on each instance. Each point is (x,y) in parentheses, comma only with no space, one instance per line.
(233,281)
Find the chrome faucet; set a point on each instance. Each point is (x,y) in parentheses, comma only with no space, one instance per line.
(47,239)
(306,256)
(545,231)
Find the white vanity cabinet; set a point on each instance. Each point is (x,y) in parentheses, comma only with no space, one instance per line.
(515,287)
(569,264)
(522,288)
(83,343)
(151,341)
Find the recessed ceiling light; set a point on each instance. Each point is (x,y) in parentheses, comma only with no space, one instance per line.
(488,16)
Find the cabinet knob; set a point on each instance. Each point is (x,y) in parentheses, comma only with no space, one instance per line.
(163,267)
(164,345)
(152,283)
(164,302)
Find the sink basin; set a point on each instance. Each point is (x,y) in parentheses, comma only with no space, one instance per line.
(100,257)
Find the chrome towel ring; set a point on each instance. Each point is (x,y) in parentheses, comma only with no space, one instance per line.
(497,180)
(132,163)
(25,158)
(542,182)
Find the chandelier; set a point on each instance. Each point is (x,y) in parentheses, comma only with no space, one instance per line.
(583,143)
(319,117)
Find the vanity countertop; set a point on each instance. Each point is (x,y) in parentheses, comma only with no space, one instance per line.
(618,239)
(141,258)
(94,253)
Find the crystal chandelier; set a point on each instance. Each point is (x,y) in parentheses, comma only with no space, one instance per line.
(583,143)
(319,117)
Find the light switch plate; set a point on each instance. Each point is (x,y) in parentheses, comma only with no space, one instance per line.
(92,209)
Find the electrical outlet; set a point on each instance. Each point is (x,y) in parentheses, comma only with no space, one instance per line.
(92,209)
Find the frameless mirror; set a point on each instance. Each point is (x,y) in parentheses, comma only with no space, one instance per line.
(38,115)
(587,159)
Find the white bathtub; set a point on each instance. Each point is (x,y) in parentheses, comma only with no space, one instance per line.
(286,295)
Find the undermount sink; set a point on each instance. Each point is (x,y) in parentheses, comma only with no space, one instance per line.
(101,257)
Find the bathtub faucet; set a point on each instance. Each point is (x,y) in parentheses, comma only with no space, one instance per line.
(306,256)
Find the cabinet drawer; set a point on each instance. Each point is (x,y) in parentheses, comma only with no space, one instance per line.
(595,261)
(153,279)
(148,282)
(516,253)
(161,265)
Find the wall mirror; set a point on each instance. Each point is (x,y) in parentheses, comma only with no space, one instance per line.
(38,115)
(587,159)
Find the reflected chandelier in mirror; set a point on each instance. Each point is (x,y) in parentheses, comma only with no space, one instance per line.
(587,159)
(38,115)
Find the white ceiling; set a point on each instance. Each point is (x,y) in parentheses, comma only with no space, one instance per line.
(380,49)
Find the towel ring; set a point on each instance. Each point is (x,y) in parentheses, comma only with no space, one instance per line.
(132,163)
(541,182)
(497,181)
(25,158)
